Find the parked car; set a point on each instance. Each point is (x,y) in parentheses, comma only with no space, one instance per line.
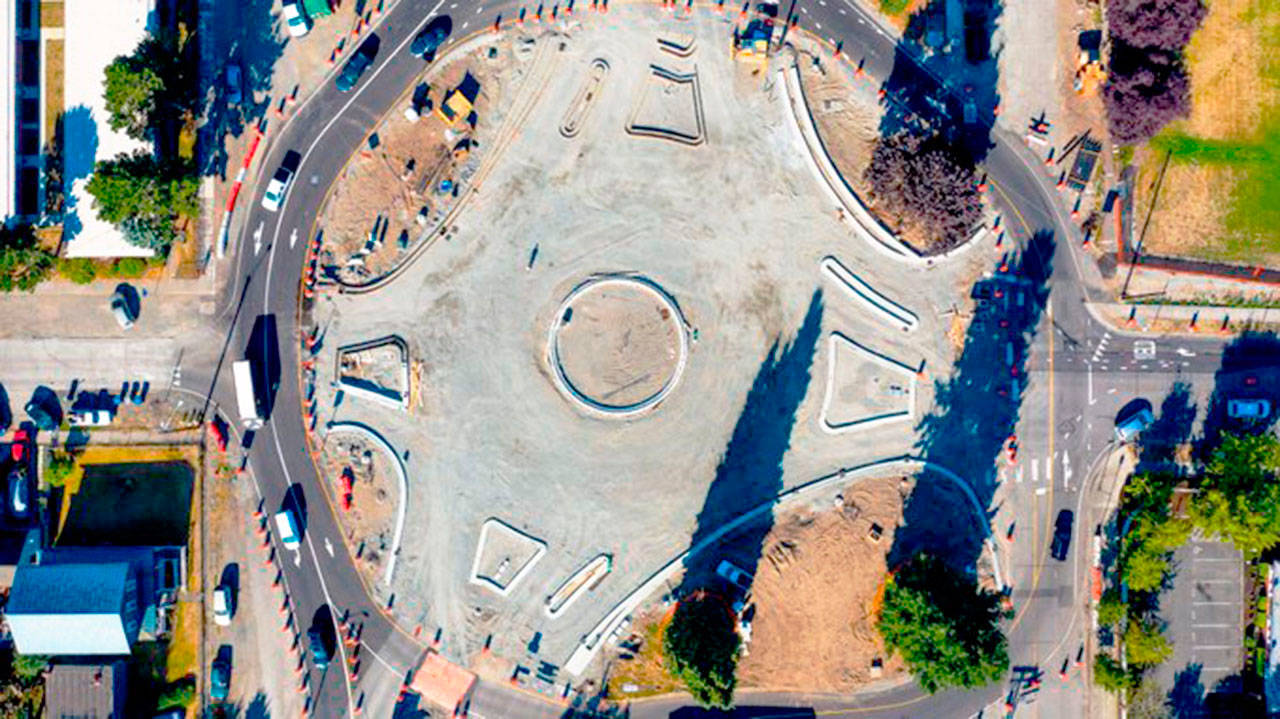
(276,189)
(1062,535)
(287,529)
(123,313)
(428,40)
(220,675)
(234,82)
(734,575)
(18,449)
(223,605)
(1248,408)
(295,18)
(360,61)
(90,418)
(41,416)
(19,493)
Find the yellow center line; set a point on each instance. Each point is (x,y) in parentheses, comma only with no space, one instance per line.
(1036,563)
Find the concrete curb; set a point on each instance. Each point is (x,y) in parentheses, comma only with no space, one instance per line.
(372,435)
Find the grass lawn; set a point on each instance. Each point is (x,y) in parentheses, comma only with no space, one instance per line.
(1221,197)
(129,496)
(646,670)
(183,658)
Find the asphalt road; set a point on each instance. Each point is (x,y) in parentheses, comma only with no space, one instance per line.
(329,126)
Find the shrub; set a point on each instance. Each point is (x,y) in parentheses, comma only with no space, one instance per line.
(1108,674)
(179,693)
(27,667)
(80,270)
(700,648)
(1110,609)
(59,468)
(130,267)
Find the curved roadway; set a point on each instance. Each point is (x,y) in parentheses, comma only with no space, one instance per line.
(329,127)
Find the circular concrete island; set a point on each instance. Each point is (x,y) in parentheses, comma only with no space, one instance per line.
(617,345)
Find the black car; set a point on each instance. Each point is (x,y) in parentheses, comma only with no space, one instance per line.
(428,41)
(359,62)
(220,676)
(1062,535)
(45,409)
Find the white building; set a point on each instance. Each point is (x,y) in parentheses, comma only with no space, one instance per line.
(19,111)
(97,32)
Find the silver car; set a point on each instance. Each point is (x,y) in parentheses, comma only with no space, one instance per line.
(122,311)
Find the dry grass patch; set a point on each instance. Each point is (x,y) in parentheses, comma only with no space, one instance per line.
(54,72)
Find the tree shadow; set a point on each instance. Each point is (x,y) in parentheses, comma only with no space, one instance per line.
(257,708)
(1186,698)
(1248,372)
(249,35)
(1171,429)
(750,471)
(75,144)
(976,409)
(945,75)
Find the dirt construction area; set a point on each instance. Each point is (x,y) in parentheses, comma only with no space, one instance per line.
(633,146)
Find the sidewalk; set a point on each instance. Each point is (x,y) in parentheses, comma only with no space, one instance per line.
(1183,320)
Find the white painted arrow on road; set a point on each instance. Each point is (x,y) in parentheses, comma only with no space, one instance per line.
(293,238)
(297,558)
(328,546)
(257,239)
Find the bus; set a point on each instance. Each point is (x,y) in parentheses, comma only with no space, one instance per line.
(246,395)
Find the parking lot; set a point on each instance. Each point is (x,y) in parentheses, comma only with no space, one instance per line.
(1204,614)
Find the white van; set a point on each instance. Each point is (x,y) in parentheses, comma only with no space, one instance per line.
(287,527)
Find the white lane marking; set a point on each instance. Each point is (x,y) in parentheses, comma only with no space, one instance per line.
(328,546)
(257,238)
(297,558)
(1066,469)
(1040,491)
(1092,399)
(464,24)
(293,238)
(1184,352)
(1035,471)
(1019,475)
(480,9)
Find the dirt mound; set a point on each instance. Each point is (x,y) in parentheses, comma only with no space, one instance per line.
(816,590)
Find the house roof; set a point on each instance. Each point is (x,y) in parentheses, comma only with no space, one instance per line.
(86,691)
(63,609)
(68,589)
(442,682)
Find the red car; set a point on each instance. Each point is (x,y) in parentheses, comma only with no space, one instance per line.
(19,446)
(219,434)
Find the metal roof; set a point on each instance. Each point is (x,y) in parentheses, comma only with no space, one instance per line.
(64,609)
(86,691)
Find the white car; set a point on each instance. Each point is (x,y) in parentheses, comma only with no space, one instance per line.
(287,529)
(295,19)
(279,185)
(90,418)
(222,608)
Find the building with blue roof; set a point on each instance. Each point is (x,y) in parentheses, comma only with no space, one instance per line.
(80,609)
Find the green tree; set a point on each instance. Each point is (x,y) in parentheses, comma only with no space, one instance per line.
(131,89)
(144,196)
(26,667)
(23,263)
(1239,497)
(945,628)
(700,647)
(80,270)
(1108,674)
(1145,644)
(1144,568)
(1110,609)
